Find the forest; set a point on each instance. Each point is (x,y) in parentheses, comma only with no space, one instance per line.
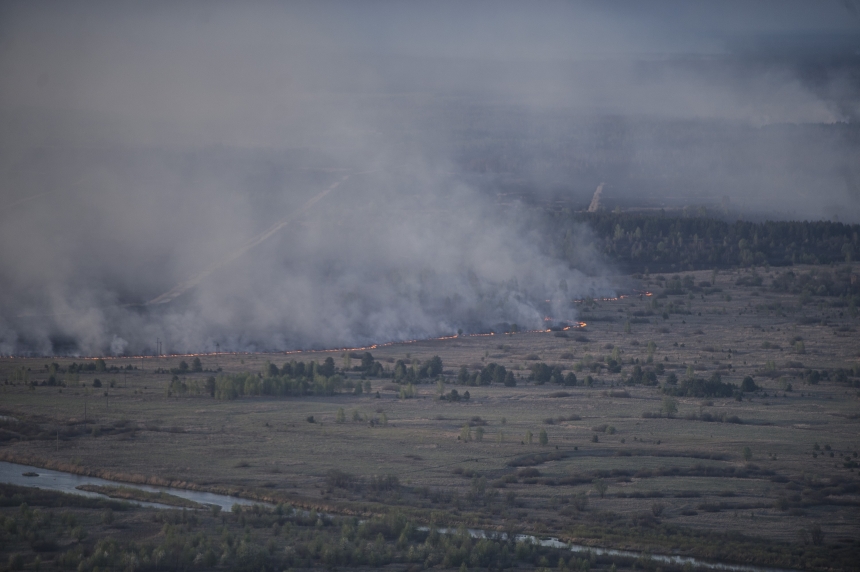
(662,242)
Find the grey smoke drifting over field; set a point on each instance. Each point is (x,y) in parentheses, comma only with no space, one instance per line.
(385,256)
(144,144)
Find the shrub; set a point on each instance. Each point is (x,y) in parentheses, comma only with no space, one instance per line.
(600,486)
(670,406)
(466,433)
(816,535)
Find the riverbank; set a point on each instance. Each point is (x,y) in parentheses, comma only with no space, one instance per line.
(131,493)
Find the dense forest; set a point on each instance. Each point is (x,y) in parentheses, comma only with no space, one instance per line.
(659,242)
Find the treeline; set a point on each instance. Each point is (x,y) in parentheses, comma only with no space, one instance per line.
(695,386)
(816,283)
(666,243)
(37,535)
(417,372)
(297,378)
(255,538)
(491,373)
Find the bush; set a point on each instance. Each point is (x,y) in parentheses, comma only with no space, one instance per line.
(670,406)
(697,387)
(600,486)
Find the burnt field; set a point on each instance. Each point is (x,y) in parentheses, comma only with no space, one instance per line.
(714,415)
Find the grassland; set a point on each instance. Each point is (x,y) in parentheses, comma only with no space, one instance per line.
(679,484)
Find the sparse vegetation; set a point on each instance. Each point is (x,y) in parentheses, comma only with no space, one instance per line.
(667,472)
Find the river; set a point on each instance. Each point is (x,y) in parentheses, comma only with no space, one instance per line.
(12,473)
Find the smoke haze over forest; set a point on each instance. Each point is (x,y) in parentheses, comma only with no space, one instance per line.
(146,144)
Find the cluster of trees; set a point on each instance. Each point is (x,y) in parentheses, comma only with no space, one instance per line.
(258,538)
(697,387)
(368,366)
(417,372)
(640,376)
(665,243)
(182,388)
(490,373)
(819,283)
(20,374)
(55,373)
(454,395)
(301,370)
(196,367)
(541,373)
(237,385)
(297,378)
(95,365)
(850,377)
(403,371)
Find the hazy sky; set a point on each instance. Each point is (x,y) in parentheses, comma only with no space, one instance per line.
(142,143)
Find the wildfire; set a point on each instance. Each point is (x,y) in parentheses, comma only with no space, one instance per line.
(575,325)
(614,299)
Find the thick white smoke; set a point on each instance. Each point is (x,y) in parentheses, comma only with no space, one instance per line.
(385,256)
(145,150)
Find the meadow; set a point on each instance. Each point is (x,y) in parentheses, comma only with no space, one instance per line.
(661,445)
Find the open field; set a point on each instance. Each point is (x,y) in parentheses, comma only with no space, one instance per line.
(796,495)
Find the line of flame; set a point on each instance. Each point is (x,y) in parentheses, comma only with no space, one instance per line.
(333,350)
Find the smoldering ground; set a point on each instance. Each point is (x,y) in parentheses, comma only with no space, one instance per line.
(145,146)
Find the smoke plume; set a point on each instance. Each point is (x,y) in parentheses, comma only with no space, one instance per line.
(286,175)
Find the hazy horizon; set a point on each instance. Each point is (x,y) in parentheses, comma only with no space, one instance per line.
(144,145)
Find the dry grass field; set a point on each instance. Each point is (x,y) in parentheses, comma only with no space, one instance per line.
(797,486)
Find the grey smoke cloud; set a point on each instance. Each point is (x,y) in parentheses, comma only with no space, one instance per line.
(144,145)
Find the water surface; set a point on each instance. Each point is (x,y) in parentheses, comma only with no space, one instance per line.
(60,481)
